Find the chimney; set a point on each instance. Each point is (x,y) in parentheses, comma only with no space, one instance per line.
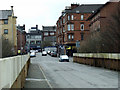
(36,27)
(12,10)
(74,6)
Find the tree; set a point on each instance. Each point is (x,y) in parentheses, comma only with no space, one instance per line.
(7,47)
(46,44)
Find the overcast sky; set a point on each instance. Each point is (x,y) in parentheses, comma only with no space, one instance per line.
(41,12)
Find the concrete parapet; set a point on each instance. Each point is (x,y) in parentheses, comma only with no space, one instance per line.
(13,71)
(105,60)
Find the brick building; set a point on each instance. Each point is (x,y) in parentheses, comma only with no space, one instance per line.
(49,34)
(72,26)
(99,21)
(21,39)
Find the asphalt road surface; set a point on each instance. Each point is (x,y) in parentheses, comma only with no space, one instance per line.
(48,72)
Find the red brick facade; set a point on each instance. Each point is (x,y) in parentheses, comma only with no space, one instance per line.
(72,27)
(21,41)
(100,19)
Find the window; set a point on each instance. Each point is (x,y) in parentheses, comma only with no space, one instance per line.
(5,21)
(37,37)
(69,37)
(46,33)
(52,33)
(32,42)
(82,17)
(77,11)
(32,37)
(61,30)
(72,17)
(72,37)
(82,27)
(63,20)
(68,27)
(68,17)
(37,42)
(72,26)
(28,36)
(5,31)
(82,36)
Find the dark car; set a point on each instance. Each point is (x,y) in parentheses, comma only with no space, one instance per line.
(54,54)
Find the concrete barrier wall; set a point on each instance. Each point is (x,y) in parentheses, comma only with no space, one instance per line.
(10,69)
(105,60)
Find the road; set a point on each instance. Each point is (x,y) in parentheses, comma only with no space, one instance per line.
(48,72)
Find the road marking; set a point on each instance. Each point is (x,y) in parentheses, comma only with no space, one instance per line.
(33,79)
(45,77)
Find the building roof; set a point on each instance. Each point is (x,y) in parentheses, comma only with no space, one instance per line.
(84,8)
(49,28)
(99,9)
(5,13)
(38,32)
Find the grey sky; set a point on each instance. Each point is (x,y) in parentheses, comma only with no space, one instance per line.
(41,12)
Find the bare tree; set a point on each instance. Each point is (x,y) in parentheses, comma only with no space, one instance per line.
(46,44)
(6,48)
(107,40)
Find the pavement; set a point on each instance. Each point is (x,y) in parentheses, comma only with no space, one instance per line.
(48,72)
(36,78)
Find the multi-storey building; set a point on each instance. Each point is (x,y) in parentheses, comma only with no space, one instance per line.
(99,21)
(49,34)
(73,27)
(21,39)
(34,38)
(8,27)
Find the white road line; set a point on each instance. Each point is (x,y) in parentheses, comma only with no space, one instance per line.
(33,79)
(45,77)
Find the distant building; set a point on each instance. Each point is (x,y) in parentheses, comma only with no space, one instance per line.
(8,27)
(34,38)
(49,34)
(21,39)
(72,26)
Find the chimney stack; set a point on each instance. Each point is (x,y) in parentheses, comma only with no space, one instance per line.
(74,6)
(12,10)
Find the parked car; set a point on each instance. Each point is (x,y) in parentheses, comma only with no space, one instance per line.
(36,51)
(64,58)
(44,53)
(32,54)
(32,51)
(54,54)
(39,50)
(48,52)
